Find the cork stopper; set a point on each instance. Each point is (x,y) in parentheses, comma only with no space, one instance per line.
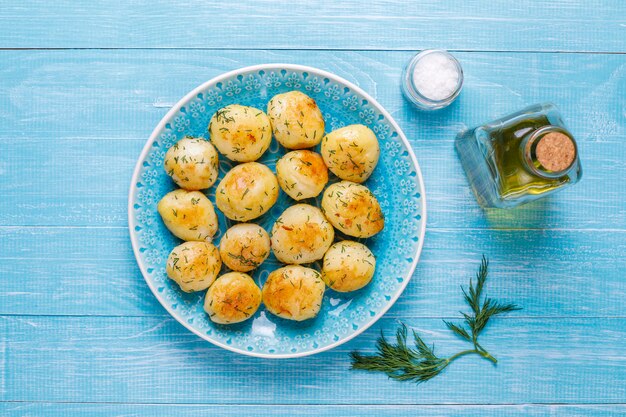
(555,151)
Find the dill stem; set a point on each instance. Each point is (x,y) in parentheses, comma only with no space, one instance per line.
(463,353)
(482,353)
(487,356)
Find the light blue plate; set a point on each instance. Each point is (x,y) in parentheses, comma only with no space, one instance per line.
(396,182)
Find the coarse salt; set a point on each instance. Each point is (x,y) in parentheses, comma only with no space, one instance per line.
(436,76)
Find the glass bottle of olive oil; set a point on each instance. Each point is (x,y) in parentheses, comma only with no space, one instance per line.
(520,157)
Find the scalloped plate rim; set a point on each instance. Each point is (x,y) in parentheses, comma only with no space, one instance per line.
(264,67)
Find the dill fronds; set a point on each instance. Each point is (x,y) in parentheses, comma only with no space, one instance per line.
(419,364)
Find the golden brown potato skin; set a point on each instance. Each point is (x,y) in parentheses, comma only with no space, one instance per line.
(233,298)
(189,215)
(192,163)
(294,292)
(244,247)
(302,174)
(353,209)
(247,191)
(351,152)
(348,266)
(301,234)
(240,133)
(194,265)
(297,122)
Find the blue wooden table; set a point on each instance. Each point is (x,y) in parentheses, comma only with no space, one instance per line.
(83,85)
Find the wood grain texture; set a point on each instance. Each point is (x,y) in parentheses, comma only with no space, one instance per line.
(156,360)
(558,273)
(563,25)
(27,409)
(82,117)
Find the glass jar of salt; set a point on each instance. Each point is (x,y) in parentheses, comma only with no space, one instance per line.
(432,79)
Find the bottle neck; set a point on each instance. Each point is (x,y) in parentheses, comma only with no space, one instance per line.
(549,152)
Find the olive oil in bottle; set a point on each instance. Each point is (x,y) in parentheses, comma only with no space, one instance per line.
(519,158)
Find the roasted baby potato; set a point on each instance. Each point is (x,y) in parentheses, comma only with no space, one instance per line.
(297,122)
(353,209)
(301,234)
(294,292)
(348,266)
(247,191)
(192,163)
(351,152)
(233,298)
(244,247)
(240,133)
(302,174)
(194,265)
(189,215)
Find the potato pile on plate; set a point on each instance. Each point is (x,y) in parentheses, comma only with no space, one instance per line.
(301,235)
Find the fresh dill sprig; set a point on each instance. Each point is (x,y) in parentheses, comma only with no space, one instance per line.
(419,364)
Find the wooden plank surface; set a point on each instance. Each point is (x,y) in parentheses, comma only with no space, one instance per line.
(156,360)
(531,25)
(26,409)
